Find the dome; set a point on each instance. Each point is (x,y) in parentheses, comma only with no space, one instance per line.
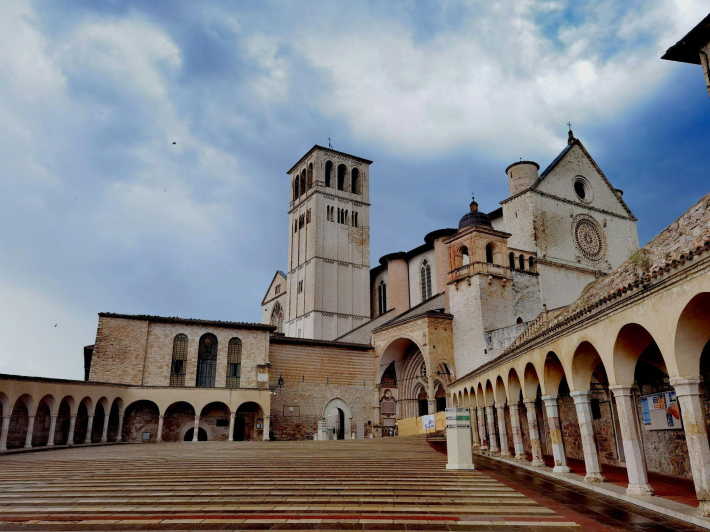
(474,217)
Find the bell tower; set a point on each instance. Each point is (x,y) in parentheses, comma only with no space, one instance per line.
(328,274)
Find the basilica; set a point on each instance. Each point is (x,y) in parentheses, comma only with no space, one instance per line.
(541,315)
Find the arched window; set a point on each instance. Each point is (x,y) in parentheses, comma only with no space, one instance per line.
(234,363)
(425,279)
(342,172)
(207,361)
(489,253)
(465,259)
(531,263)
(177,368)
(328,174)
(345,218)
(296,192)
(511,260)
(355,181)
(354,219)
(303,182)
(382,297)
(521,262)
(277,318)
(310,176)
(519,320)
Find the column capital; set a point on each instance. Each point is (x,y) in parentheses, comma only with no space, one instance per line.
(621,389)
(500,406)
(267,417)
(53,415)
(121,416)
(550,399)
(527,402)
(233,414)
(31,416)
(686,385)
(161,416)
(581,397)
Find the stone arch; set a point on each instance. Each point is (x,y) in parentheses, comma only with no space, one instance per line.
(553,373)
(500,391)
(490,395)
(514,387)
(584,361)
(346,418)
(215,419)
(141,417)
(631,341)
(454,400)
(178,419)
(480,396)
(24,407)
(44,410)
(395,347)
(248,416)
(531,381)
(465,399)
(692,334)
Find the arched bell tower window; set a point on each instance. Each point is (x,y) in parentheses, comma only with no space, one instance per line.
(342,172)
(425,280)
(234,363)
(381,298)
(277,318)
(521,262)
(310,176)
(303,182)
(328,174)
(207,361)
(296,192)
(462,258)
(177,367)
(511,261)
(355,181)
(531,263)
(489,253)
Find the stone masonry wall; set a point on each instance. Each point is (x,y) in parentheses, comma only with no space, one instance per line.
(119,351)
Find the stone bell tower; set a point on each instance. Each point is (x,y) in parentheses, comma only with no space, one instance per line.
(328,274)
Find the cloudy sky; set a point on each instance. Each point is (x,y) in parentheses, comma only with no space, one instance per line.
(101,212)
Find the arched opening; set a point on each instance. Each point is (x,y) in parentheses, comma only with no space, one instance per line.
(531,264)
(277,318)
(440,396)
(140,422)
(519,320)
(521,263)
(336,424)
(402,372)
(328,174)
(355,181)
(207,361)
(425,280)
(422,402)
(511,261)
(381,297)
(296,187)
(234,363)
(692,335)
(310,176)
(342,173)
(116,408)
(100,414)
(179,361)
(214,418)
(42,423)
(303,182)
(489,253)
(86,407)
(201,434)
(66,406)
(19,421)
(178,419)
(249,422)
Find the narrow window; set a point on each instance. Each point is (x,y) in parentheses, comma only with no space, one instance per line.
(328,174)
(425,280)
(511,261)
(277,318)
(300,287)
(521,262)
(277,289)
(234,363)
(177,368)
(308,216)
(489,254)
(519,320)
(531,263)
(303,182)
(355,181)
(310,176)
(295,226)
(207,361)
(338,214)
(295,188)
(342,172)
(345,218)
(354,219)
(382,297)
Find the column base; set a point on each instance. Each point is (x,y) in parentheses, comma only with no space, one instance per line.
(520,458)
(28,447)
(104,440)
(230,439)
(466,467)
(594,478)
(157,440)
(538,463)
(561,469)
(87,442)
(50,445)
(505,454)
(704,508)
(70,443)
(119,439)
(640,489)
(494,453)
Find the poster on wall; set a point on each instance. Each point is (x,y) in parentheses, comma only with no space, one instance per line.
(428,422)
(660,411)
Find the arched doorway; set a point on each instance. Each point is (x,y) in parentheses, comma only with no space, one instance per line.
(248,422)
(402,371)
(201,434)
(239,428)
(336,424)
(423,402)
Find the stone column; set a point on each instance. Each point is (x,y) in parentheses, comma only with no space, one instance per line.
(104,431)
(431,400)
(514,410)
(482,429)
(635,466)
(119,436)
(492,442)
(503,431)
(30,429)
(161,418)
(687,391)
(586,432)
(535,443)
(72,426)
(553,421)
(474,428)
(89,428)
(232,416)
(267,425)
(197,428)
(52,430)
(3,434)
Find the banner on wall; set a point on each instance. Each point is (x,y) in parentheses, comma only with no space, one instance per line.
(428,422)
(660,411)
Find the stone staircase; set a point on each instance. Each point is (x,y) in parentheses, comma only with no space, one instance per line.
(392,482)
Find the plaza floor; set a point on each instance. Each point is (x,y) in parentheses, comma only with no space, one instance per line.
(381,484)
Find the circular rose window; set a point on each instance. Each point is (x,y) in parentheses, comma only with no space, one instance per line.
(588,237)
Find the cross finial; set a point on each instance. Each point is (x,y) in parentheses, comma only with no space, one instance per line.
(569,126)
(329,144)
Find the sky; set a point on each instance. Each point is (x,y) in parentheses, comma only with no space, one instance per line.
(144,145)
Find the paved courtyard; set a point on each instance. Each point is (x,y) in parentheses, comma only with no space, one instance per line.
(382,484)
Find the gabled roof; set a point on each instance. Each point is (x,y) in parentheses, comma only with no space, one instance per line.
(687,50)
(278,272)
(571,143)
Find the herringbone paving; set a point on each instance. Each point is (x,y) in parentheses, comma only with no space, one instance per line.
(390,484)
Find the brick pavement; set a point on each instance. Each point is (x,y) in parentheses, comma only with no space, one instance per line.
(381,484)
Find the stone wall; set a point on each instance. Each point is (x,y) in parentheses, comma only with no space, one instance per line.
(119,351)
(314,375)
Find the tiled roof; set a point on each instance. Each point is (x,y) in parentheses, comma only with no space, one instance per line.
(190,321)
